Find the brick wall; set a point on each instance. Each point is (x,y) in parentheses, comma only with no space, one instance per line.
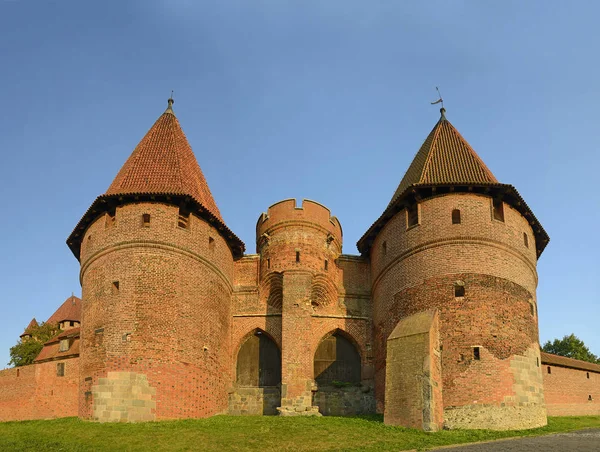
(169,319)
(568,390)
(36,392)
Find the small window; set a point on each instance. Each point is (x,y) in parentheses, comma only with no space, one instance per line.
(384,248)
(532,308)
(110,218)
(498,209)
(297,256)
(115,287)
(64,345)
(459,290)
(326,264)
(525,240)
(476,354)
(590,398)
(183,220)
(549,370)
(18,372)
(588,375)
(60,369)
(146,220)
(456,216)
(71,323)
(537,362)
(268,263)
(211,243)
(412,215)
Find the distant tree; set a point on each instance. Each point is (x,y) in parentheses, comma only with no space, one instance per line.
(27,349)
(571,347)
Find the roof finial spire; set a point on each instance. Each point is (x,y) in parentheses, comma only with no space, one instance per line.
(440,100)
(170,102)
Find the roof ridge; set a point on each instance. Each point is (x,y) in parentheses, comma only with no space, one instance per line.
(432,149)
(173,143)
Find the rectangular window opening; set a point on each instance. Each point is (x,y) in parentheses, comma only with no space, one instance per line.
(18,372)
(537,362)
(183,221)
(115,287)
(297,256)
(64,345)
(459,290)
(268,263)
(549,370)
(146,220)
(588,375)
(110,218)
(412,215)
(525,240)
(498,209)
(456,216)
(476,354)
(326,264)
(590,398)
(60,369)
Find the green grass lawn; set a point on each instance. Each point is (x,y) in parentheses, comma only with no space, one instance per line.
(250,433)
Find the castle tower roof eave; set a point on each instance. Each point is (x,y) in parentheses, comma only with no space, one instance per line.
(446,161)
(105,203)
(506,192)
(161,168)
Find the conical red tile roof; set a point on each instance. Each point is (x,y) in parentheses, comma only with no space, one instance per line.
(446,163)
(445,158)
(69,310)
(163,163)
(32,324)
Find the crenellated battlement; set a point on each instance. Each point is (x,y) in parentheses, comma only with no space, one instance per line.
(310,213)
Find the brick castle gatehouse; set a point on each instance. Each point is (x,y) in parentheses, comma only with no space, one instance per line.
(434,323)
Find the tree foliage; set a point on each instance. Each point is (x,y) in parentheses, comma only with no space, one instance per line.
(571,347)
(27,349)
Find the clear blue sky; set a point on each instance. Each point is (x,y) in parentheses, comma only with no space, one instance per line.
(264,87)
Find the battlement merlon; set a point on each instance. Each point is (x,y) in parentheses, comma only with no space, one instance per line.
(310,213)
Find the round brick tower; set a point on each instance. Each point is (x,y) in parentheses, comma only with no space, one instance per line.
(455,240)
(156,275)
(298,248)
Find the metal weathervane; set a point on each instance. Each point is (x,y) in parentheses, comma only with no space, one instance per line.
(440,100)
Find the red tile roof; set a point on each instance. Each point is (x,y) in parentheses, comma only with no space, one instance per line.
(162,168)
(447,163)
(563,361)
(51,348)
(445,158)
(69,310)
(32,324)
(163,162)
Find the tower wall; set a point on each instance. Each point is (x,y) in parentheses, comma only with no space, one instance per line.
(310,294)
(156,317)
(416,269)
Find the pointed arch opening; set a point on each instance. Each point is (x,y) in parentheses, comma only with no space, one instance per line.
(337,361)
(258,361)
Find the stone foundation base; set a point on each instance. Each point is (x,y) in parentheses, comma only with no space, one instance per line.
(299,411)
(123,397)
(495,417)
